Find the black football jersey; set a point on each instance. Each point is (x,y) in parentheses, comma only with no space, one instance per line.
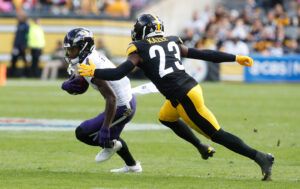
(162,65)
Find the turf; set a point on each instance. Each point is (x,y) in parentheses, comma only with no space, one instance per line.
(266,116)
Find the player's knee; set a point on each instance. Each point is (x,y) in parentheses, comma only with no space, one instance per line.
(219,136)
(164,118)
(169,124)
(80,135)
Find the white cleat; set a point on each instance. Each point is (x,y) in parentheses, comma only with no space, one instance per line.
(107,153)
(137,168)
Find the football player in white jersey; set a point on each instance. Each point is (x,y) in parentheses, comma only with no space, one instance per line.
(104,130)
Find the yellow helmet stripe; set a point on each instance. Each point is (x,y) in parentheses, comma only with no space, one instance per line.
(158,23)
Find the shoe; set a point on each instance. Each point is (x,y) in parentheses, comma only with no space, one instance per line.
(206,151)
(107,153)
(265,161)
(137,168)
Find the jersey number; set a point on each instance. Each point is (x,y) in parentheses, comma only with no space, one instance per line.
(172,47)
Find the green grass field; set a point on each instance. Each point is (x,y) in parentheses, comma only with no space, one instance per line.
(261,114)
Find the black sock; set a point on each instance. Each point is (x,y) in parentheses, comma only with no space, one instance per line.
(125,154)
(184,132)
(233,143)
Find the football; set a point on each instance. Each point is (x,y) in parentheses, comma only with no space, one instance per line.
(75,85)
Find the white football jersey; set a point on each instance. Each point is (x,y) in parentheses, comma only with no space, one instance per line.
(121,88)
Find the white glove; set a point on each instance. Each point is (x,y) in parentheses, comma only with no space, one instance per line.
(144,89)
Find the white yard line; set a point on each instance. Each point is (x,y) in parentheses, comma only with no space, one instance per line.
(61,125)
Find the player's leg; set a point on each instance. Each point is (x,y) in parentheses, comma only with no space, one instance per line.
(234,143)
(131,165)
(26,66)
(35,54)
(123,116)
(87,131)
(14,58)
(198,116)
(169,117)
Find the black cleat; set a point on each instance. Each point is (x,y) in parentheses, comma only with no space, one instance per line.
(206,151)
(265,161)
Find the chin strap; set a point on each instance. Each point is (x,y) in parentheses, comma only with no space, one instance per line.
(74,61)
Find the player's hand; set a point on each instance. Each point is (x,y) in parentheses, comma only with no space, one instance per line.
(244,60)
(87,69)
(105,137)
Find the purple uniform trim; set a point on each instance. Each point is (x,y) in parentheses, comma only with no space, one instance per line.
(123,115)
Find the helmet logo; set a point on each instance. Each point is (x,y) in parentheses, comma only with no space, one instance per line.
(81,35)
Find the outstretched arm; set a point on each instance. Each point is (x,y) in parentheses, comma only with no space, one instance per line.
(110,73)
(215,56)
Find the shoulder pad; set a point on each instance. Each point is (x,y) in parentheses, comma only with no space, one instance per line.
(131,48)
(176,39)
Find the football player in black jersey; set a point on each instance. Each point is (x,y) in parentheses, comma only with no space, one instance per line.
(160,59)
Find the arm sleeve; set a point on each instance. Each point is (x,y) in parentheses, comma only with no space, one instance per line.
(210,55)
(115,73)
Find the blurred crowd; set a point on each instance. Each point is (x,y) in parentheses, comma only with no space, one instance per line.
(112,8)
(256,28)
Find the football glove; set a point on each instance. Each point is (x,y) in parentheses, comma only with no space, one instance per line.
(87,69)
(244,60)
(104,137)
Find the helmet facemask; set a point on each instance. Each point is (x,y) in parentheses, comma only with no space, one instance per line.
(71,55)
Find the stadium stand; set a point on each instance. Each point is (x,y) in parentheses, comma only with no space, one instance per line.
(263,27)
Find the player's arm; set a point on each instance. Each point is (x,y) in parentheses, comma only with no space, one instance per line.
(110,100)
(110,73)
(214,56)
(113,73)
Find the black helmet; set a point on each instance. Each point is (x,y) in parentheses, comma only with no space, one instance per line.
(82,39)
(147,25)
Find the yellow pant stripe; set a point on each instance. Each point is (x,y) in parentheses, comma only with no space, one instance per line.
(197,99)
(187,120)
(193,111)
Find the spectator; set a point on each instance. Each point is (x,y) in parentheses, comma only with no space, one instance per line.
(45,5)
(240,30)
(255,31)
(36,42)
(137,5)
(290,46)
(235,45)
(60,7)
(5,6)
(57,60)
(256,26)
(198,22)
(276,49)
(117,8)
(20,44)
(189,37)
(18,4)
(88,7)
